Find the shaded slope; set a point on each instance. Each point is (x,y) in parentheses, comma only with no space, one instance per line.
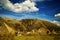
(37,23)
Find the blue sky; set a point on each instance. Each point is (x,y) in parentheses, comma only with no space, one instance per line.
(43,9)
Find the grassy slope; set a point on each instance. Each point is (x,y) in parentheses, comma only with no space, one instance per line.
(35,37)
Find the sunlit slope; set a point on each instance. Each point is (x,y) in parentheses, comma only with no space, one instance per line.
(30,25)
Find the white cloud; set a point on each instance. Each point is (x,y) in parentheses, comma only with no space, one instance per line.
(57,15)
(57,22)
(27,5)
(57,18)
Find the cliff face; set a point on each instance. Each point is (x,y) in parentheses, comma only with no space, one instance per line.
(30,26)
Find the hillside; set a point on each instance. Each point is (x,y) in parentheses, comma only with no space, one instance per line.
(30,26)
(28,29)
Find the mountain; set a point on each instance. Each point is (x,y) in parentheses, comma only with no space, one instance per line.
(29,26)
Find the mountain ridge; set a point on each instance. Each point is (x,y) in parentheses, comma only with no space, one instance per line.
(41,27)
